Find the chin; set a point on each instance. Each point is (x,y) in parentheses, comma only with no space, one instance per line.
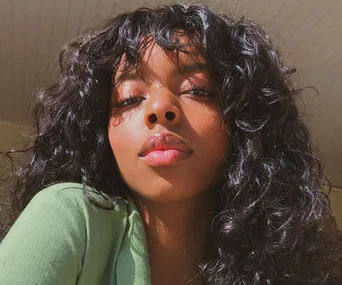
(180,183)
(164,192)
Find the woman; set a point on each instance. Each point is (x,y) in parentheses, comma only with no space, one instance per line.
(179,128)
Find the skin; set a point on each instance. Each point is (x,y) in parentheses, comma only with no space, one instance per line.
(174,201)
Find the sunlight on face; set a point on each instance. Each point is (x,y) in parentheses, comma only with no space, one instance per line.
(176,110)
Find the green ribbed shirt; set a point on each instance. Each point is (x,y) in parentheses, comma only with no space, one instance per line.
(61,239)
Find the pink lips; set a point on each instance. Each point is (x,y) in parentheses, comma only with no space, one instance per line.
(164,149)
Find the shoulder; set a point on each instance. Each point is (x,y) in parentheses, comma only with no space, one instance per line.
(61,205)
(59,193)
(69,199)
(58,235)
(65,203)
(72,194)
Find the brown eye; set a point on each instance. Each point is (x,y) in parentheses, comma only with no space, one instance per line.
(200,92)
(131,101)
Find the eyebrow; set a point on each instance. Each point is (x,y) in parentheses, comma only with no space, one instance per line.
(127,76)
(197,66)
(182,69)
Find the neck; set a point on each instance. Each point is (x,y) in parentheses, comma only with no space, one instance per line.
(177,238)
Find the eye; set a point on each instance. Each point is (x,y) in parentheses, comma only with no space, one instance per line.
(127,102)
(200,92)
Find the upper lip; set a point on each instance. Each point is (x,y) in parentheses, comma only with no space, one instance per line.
(163,141)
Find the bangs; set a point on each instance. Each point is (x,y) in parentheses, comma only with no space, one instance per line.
(171,30)
(124,39)
(130,64)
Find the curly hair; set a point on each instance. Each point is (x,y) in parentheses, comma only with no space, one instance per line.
(271,222)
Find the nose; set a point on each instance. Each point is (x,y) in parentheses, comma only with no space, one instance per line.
(163,109)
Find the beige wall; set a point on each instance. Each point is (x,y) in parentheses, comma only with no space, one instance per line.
(10,135)
(336,205)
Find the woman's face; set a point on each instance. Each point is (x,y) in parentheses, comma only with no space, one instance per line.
(166,131)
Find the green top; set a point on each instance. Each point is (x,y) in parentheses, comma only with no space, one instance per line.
(61,239)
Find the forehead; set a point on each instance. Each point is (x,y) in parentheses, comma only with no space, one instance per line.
(152,56)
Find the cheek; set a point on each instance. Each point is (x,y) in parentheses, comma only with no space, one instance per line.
(216,137)
(211,130)
(212,143)
(123,138)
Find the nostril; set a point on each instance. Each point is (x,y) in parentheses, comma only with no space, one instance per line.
(152,118)
(170,115)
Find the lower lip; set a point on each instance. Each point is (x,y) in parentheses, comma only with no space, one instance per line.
(165,157)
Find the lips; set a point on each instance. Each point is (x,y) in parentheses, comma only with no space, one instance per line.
(164,149)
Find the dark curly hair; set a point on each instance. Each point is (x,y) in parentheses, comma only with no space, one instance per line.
(273,223)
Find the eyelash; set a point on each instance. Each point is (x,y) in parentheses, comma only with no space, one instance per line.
(202,90)
(132,100)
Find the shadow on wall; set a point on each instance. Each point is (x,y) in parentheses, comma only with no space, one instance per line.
(336,202)
(11,136)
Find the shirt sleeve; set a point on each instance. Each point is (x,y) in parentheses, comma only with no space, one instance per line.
(46,244)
